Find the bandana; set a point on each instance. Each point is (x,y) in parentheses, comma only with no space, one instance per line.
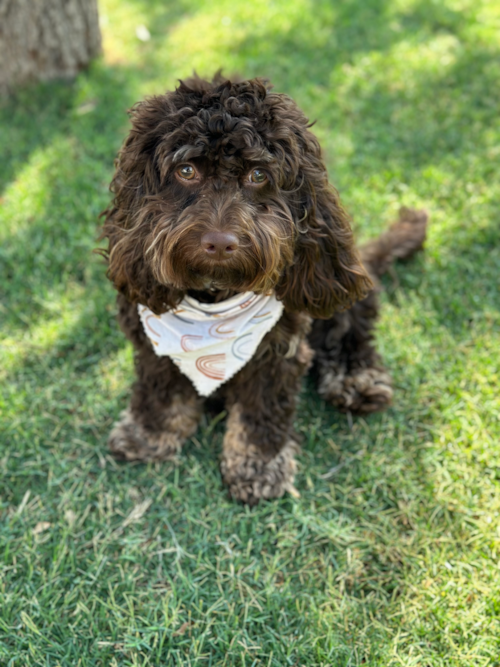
(211,342)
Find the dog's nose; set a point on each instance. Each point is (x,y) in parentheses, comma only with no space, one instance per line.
(219,245)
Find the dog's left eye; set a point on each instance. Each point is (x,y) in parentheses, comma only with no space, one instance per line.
(186,172)
(257,176)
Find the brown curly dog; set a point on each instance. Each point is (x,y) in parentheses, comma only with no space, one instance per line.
(220,190)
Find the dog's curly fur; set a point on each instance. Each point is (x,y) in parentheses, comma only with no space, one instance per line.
(293,236)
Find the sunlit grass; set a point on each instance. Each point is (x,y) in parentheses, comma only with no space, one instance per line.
(391,555)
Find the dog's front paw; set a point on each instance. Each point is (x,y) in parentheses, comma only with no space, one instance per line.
(130,441)
(363,390)
(251,478)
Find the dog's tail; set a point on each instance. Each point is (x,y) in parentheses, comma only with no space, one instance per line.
(402,240)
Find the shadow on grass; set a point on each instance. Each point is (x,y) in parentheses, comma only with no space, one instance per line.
(68,135)
(30,119)
(89,109)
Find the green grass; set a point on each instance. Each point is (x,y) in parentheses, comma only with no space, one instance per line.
(394,560)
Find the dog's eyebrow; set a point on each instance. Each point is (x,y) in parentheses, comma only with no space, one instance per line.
(253,154)
(187,152)
(259,156)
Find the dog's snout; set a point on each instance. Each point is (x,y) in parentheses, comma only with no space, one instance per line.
(219,245)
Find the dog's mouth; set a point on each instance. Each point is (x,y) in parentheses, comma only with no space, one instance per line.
(219,279)
(211,285)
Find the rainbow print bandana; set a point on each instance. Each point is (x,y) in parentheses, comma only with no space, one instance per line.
(211,342)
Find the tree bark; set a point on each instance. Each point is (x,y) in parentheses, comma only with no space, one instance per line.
(46,39)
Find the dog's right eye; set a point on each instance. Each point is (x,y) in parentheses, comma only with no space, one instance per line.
(257,176)
(186,172)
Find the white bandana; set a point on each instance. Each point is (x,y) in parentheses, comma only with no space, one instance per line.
(211,342)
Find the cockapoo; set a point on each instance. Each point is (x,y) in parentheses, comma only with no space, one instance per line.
(237,273)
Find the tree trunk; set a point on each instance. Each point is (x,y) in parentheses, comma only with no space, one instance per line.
(46,39)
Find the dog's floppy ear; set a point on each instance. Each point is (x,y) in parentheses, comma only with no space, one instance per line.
(127,270)
(327,274)
(129,220)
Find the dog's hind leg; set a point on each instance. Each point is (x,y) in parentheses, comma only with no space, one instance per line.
(348,369)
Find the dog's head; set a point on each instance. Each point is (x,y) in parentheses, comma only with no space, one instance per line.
(221,185)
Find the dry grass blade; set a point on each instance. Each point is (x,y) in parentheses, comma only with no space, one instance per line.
(41,527)
(137,513)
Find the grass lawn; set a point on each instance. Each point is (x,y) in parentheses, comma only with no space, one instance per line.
(393,558)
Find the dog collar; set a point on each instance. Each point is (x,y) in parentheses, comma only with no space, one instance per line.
(211,342)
